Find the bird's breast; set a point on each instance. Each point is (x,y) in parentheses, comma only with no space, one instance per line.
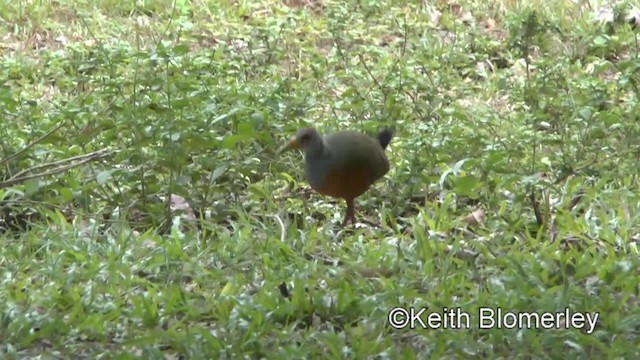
(316,170)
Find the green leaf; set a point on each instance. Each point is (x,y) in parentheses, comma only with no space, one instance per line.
(66,194)
(229,289)
(221,117)
(466,186)
(180,49)
(458,166)
(258,190)
(257,118)
(218,172)
(103,177)
(288,177)
(32,186)
(585,113)
(231,140)
(245,128)
(600,40)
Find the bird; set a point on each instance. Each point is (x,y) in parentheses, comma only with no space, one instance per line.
(342,164)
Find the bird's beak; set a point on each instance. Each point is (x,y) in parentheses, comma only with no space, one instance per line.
(292,144)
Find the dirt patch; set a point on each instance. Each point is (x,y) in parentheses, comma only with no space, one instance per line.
(306,4)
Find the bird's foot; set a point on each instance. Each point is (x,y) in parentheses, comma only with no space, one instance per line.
(348,218)
(372,224)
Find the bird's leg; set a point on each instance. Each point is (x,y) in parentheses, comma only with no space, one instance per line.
(350,213)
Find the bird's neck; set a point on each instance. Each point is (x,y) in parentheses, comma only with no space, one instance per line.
(317,161)
(316,152)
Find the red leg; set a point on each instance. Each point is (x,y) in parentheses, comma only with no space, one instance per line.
(350,213)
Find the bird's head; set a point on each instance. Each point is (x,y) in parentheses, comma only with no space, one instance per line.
(305,139)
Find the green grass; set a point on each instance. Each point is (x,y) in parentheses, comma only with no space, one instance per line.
(523,113)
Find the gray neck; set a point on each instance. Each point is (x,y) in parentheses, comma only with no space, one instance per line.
(316,165)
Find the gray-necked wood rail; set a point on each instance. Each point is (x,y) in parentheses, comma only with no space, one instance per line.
(342,164)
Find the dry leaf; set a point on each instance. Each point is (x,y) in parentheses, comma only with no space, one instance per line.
(476,218)
(375,272)
(467,18)
(455,9)
(489,25)
(180,204)
(462,254)
(434,17)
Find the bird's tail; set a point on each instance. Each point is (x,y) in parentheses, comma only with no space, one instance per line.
(384,137)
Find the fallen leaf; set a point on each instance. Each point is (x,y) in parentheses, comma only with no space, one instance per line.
(180,204)
(375,272)
(474,219)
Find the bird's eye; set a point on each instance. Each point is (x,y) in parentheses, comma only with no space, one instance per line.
(305,137)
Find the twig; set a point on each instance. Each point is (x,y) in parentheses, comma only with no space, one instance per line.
(345,61)
(83,160)
(283,230)
(366,67)
(536,208)
(95,154)
(575,200)
(415,105)
(30,145)
(406,35)
(404,42)
(566,175)
(493,131)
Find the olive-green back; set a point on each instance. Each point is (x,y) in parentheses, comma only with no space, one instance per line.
(349,149)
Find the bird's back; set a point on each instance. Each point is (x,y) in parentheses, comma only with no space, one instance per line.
(350,149)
